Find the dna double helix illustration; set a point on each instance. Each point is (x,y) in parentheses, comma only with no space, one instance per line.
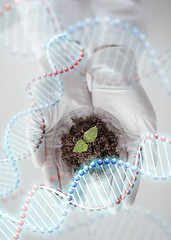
(103,185)
(45,208)
(153,156)
(91,33)
(9,176)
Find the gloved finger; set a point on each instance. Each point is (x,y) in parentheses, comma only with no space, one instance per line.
(38,157)
(35,124)
(50,170)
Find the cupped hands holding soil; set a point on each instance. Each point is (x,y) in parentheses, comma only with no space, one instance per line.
(109,141)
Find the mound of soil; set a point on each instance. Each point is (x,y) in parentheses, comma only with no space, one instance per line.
(103,146)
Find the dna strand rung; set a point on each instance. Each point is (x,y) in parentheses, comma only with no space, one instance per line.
(20,141)
(154,156)
(64,54)
(44,209)
(45,91)
(138,52)
(8,227)
(9,177)
(102,184)
(119,33)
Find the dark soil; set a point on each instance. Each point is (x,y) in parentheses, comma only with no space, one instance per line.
(103,146)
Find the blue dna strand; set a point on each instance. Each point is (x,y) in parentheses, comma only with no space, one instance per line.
(17,134)
(26,26)
(102,184)
(153,157)
(63,53)
(9,176)
(91,34)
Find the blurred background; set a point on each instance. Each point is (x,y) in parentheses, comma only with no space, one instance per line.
(16,71)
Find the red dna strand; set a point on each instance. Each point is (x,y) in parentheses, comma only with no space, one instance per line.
(63,53)
(154,156)
(44,211)
(77,219)
(8,227)
(14,194)
(44,91)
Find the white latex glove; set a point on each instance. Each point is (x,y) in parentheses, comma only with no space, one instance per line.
(128,103)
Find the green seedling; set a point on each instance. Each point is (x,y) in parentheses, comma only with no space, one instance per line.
(89,136)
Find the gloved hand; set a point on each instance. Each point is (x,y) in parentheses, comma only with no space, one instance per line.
(76,95)
(107,70)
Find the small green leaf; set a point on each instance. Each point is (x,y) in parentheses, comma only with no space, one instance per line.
(80,146)
(90,135)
